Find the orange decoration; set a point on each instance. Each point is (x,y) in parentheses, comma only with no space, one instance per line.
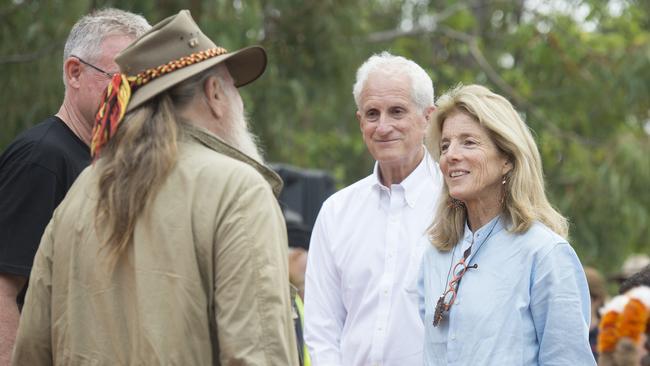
(632,323)
(608,335)
(150,74)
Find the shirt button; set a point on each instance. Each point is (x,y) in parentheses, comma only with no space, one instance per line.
(453,337)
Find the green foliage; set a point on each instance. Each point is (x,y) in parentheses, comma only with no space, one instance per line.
(582,85)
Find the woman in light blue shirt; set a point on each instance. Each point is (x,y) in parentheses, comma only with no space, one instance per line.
(500,285)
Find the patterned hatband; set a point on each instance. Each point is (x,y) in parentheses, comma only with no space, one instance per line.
(150,74)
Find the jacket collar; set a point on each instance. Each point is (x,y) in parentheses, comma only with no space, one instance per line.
(213,142)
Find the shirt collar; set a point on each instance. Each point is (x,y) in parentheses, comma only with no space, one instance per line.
(490,229)
(413,183)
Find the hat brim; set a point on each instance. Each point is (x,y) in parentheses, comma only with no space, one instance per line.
(244,65)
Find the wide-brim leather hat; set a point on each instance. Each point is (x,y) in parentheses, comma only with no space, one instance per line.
(174,50)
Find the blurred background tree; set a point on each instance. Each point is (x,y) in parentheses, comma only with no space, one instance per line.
(577,70)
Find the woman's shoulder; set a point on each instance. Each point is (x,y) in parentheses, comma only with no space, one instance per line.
(539,238)
(539,229)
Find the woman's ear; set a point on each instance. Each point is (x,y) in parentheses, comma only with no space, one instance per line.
(507,166)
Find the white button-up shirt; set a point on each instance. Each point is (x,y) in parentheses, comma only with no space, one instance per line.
(361,299)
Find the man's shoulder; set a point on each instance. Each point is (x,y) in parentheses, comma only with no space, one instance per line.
(214,165)
(28,140)
(48,141)
(362,185)
(352,194)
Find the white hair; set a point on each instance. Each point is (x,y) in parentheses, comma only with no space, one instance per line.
(236,131)
(421,84)
(85,38)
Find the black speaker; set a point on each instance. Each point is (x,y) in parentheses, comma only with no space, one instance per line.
(304,191)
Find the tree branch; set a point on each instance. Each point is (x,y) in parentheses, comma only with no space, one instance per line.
(389,35)
(485,65)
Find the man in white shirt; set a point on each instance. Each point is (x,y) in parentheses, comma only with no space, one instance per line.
(361,301)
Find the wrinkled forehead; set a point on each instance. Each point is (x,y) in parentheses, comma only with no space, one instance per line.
(461,122)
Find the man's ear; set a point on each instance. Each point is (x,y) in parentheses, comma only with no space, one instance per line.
(428,113)
(358,115)
(72,72)
(214,94)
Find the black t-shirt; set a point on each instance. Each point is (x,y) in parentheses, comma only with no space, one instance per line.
(36,171)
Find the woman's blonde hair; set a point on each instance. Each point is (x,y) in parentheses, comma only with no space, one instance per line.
(134,164)
(524,198)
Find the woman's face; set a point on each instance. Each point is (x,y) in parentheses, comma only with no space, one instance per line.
(472,165)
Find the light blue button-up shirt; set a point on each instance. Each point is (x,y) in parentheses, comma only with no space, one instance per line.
(527,303)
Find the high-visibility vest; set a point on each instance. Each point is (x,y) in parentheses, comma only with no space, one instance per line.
(305,360)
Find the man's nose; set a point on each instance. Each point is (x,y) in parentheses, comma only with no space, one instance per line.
(384,124)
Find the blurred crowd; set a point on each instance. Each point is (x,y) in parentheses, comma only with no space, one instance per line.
(612,343)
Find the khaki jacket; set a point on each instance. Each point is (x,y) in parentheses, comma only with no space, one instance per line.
(205,281)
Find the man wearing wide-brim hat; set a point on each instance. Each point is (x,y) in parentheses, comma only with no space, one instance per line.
(170,248)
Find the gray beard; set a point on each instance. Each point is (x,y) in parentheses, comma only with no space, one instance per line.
(241,138)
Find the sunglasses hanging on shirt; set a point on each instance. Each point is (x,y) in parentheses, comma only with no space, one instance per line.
(446,300)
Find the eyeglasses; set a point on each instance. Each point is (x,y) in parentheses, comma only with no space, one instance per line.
(446,300)
(109,75)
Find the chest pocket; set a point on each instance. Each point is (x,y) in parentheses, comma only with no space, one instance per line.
(414,262)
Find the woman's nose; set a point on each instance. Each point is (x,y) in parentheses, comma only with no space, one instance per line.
(452,153)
